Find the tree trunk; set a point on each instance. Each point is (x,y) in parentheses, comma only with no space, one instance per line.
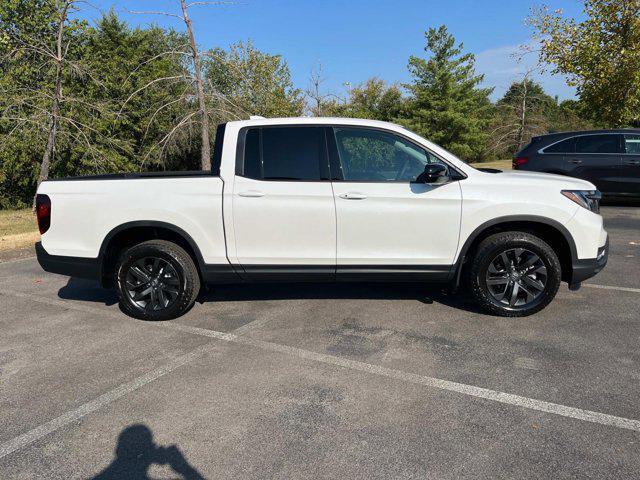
(55,104)
(523,115)
(205,158)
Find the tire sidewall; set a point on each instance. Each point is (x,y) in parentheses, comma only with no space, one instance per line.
(141,251)
(548,258)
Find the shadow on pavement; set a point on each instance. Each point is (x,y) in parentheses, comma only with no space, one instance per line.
(136,452)
(423,293)
(620,202)
(86,290)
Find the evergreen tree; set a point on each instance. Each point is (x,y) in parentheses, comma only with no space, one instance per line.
(447,106)
(125,60)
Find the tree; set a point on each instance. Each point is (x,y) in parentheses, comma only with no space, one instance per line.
(196,77)
(129,59)
(42,58)
(373,99)
(320,103)
(524,111)
(446,104)
(570,115)
(600,56)
(245,81)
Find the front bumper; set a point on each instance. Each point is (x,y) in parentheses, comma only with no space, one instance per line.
(584,269)
(78,267)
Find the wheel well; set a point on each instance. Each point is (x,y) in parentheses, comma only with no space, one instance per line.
(134,235)
(551,235)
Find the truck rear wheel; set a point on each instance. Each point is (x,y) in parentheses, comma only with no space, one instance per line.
(514,274)
(156,280)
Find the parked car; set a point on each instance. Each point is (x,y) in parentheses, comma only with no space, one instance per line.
(323,199)
(610,159)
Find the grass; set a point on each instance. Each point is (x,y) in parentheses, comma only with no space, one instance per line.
(18,229)
(499,164)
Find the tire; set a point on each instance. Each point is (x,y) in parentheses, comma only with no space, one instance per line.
(156,280)
(500,267)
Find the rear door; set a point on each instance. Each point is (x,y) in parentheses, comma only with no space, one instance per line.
(597,159)
(630,169)
(283,208)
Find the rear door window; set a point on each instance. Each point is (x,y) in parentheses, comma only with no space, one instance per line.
(284,153)
(598,144)
(632,143)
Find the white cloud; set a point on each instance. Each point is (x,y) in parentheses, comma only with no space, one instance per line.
(501,67)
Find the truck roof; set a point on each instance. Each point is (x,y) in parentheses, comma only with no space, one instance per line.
(313,121)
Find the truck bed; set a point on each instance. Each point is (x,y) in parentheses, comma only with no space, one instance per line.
(87,210)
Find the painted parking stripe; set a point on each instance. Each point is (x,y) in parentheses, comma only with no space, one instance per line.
(120,391)
(479,392)
(99,402)
(612,287)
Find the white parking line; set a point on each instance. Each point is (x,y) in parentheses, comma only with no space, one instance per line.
(479,392)
(65,419)
(496,396)
(612,287)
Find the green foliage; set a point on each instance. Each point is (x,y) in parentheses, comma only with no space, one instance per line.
(128,102)
(447,105)
(245,81)
(523,112)
(600,55)
(373,99)
(21,100)
(570,115)
(125,90)
(127,60)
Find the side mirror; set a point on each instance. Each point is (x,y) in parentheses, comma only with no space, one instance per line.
(433,173)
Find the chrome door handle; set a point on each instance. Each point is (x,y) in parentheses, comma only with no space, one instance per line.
(575,160)
(353,196)
(631,162)
(251,193)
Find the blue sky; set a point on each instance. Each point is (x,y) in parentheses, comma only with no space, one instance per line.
(358,39)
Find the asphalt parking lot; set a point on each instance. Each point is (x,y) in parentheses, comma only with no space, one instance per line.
(322,381)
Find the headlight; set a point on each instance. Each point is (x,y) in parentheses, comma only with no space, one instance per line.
(589,199)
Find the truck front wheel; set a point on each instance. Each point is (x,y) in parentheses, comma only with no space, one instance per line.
(514,274)
(156,280)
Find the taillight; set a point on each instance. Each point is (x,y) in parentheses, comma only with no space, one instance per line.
(518,161)
(43,212)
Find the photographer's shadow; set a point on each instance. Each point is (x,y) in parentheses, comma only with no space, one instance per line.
(136,452)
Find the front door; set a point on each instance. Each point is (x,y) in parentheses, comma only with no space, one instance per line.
(283,207)
(387,223)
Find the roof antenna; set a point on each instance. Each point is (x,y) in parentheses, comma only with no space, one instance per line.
(256,117)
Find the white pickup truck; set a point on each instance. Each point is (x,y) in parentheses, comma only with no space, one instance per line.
(323,199)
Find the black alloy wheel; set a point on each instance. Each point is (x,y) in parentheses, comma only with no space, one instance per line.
(156,280)
(513,274)
(152,283)
(516,277)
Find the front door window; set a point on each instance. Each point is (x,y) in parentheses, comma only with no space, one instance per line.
(368,155)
